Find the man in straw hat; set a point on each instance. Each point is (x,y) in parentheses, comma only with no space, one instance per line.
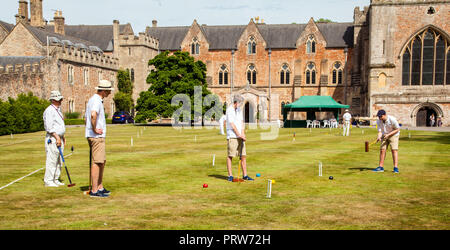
(347,118)
(95,134)
(236,136)
(55,128)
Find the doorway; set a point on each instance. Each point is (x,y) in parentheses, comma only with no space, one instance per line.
(426,117)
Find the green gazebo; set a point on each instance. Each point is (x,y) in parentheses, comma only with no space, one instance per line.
(311,105)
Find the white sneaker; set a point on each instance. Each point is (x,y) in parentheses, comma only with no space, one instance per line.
(59,183)
(51,184)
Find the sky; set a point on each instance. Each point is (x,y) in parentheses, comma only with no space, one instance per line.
(140,13)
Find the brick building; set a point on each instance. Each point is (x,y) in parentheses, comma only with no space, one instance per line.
(394,55)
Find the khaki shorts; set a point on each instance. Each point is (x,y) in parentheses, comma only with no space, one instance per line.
(393,141)
(98,147)
(236,147)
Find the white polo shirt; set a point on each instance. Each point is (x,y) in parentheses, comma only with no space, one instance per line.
(387,127)
(95,104)
(54,121)
(236,117)
(347,116)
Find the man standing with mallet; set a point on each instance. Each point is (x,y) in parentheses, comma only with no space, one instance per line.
(55,128)
(388,134)
(236,137)
(95,134)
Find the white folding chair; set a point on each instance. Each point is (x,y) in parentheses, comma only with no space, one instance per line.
(316,124)
(309,123)
(326,123)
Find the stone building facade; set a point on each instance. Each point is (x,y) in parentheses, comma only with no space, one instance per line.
(394,55)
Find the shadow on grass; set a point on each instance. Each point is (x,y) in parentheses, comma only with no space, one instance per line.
(85,188)
(443,138)
(223,177)
(362,169)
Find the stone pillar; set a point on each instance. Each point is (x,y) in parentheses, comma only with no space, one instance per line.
(116,36)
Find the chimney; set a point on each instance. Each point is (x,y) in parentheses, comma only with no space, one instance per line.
(154,23)
(116,37)
(37,18)
(59,22)
(23,10)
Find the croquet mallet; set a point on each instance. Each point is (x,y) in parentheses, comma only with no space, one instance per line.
(65,166)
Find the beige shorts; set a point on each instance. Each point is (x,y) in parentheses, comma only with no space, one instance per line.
(393,141)
(98,148)
(236,147)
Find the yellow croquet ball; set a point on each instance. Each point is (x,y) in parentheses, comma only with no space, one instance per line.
(273,181)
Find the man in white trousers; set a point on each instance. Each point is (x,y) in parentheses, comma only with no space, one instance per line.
(55,128)
(347,118)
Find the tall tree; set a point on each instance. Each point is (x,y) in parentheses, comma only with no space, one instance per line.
(123,98)
(174,74)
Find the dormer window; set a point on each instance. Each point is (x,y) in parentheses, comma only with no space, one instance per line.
(195,47)
(251,46)
(311,45)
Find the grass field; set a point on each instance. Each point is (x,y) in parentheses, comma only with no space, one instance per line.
(157,183)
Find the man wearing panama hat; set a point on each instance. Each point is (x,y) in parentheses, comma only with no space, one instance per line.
(55,128)
(95,134)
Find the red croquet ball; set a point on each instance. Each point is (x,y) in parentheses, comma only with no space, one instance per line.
(205,185)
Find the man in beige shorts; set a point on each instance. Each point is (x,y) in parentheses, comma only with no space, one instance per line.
(236,137)
(388,134)
(95,134)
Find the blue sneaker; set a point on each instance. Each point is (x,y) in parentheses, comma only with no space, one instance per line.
(105,191)
(395,170)
(230,178)
(98,194)
(378,169)
(247,178)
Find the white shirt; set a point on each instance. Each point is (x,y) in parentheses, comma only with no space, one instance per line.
(236,117)
(387,127)
(95,104)
(347,116)
(222,119)
(54,121)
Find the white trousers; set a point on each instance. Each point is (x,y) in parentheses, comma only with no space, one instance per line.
(53,162)
(346,128)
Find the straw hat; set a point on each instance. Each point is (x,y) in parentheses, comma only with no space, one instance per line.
(104,85)
(55,95)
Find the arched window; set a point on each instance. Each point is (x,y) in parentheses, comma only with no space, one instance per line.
(132,75)
(311,45)
(337,73)
(195,46)
(223,74)
(86,76)
(251,46)
(425,60)
(310,73)
(285,74)
(251,74)
(70,74)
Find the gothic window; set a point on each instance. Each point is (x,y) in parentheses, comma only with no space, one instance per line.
(251,74)
(251,46)
(285,74)
(70,74)
(337,73)
(86,76)
(311,45)
(425,60)
(223,74)
(310,73)
(132,75)
(195,46)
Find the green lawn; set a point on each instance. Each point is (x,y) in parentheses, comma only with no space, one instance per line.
(157,184)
